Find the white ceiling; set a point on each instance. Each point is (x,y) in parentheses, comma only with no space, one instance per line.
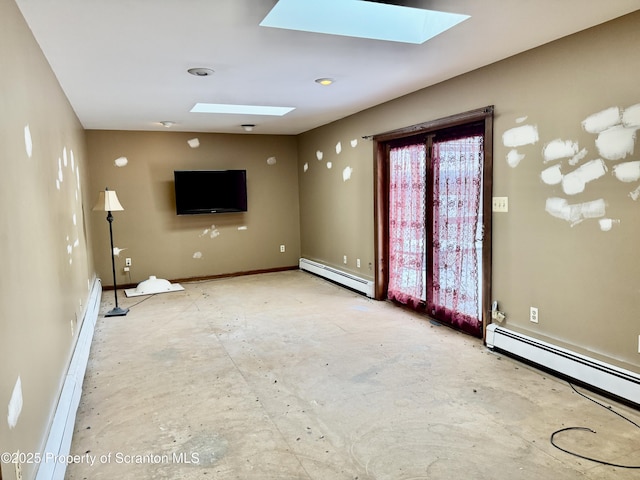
(123,63)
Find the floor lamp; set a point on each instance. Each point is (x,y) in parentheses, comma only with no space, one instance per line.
(108,202)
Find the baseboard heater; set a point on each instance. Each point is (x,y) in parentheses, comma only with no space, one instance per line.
(615,381)
(346,279)
(58,443)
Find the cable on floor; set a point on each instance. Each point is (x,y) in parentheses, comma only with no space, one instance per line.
(143,300)
(602,462)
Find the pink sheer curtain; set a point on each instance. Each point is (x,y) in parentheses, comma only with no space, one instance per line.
(457,183)
(407,246)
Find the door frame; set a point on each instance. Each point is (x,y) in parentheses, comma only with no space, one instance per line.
(381,197)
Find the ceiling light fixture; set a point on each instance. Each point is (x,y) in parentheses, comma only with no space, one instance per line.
(167,123)
(324,81)
(248,127)
(200,71)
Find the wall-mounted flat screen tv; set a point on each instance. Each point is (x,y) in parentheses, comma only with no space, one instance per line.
(210,191)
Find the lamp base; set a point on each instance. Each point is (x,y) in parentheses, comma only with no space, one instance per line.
(117,312)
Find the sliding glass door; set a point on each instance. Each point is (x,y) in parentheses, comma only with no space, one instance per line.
(435,241)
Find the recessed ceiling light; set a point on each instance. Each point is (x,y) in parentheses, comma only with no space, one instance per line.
(363,19)
(248,127)
(200,71)
(167,123)
(324,81)
(240,109)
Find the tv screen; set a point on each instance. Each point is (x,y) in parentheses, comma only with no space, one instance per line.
(210,191)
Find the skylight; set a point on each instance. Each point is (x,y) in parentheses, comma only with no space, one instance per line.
(363,19)
(240,109)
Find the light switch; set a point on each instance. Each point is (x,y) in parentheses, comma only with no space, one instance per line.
(500,204)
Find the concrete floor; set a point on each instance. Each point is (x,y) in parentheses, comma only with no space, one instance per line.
(287,376)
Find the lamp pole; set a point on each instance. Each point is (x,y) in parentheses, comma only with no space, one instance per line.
(116,311)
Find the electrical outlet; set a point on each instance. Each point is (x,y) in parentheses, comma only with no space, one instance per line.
(126,269)
(281,248)
(533,314)
(357,262)
(127,262)
(500,204)
(344,259)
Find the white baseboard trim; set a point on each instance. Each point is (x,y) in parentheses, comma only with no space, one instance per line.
(343,278)
(608,378)
(58,442)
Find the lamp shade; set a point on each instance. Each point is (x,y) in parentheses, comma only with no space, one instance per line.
(108,202)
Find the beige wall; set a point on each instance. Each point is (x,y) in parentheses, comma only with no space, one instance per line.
(163,244)
(336,196)
(585,281)
(47,269)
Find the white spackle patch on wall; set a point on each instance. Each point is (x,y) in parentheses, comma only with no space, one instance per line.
(551,175)
(338,147)
(557,207)
(319,154)
(607,223)
(193,142)
(558,148)
(60,176)
(28,143)
(519,136)
(15,404)
(514,158)
(121,161)
(65,161)
(271,161)
(305,167)
(576,181)
(578,156)
(242,227)
(615,131)
(354,143)
(73,161)
(197,255)
(69,250)
(521,119)
(631,116)
(213,232)
(74,219)
(627,172)
(600,121)
(560,208)
(616,143)
(329,165)
(116,251)
(346,173)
